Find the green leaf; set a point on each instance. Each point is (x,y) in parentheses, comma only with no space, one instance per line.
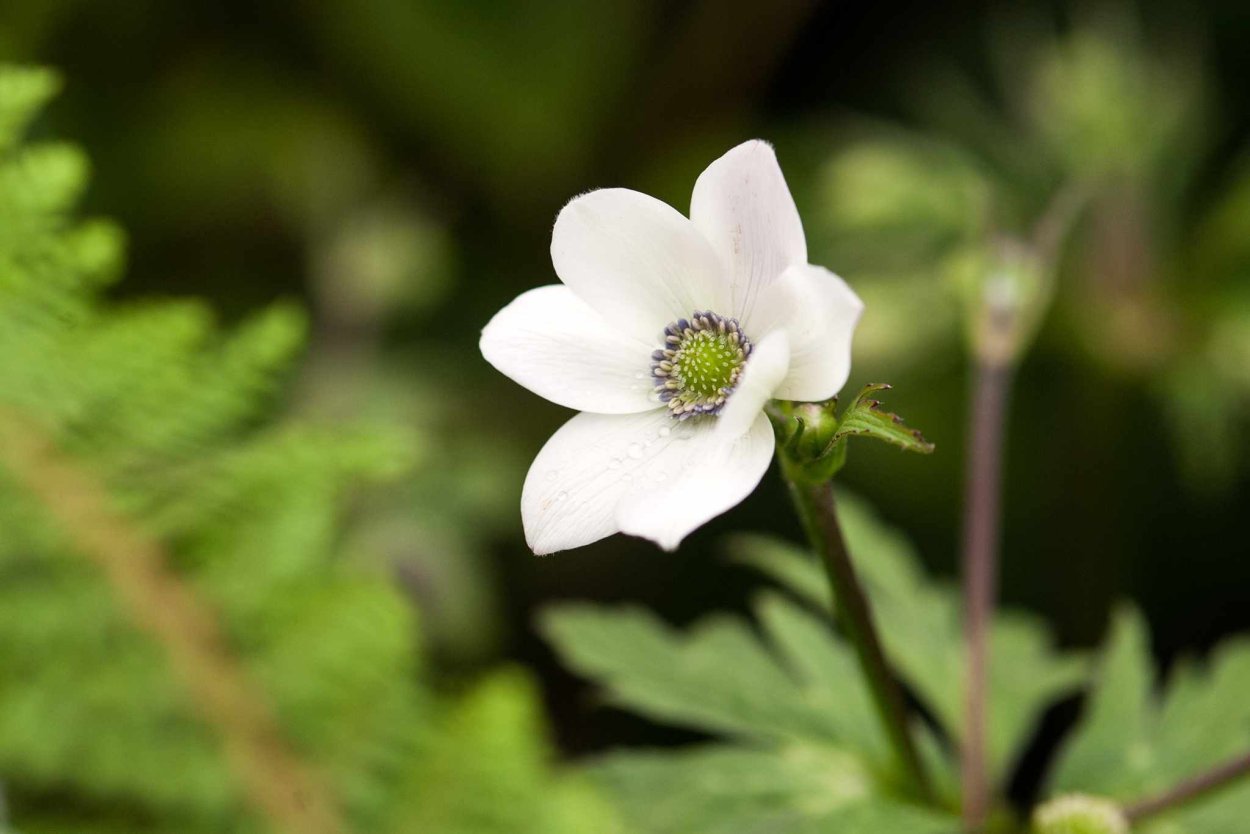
(484,771)
(720,789)
(718,678)
(920,625)
(828,671)
(1133,742)
(1109,754)
(787,564)
(23,92)
(1224,812)
(1205,715)
(864,417)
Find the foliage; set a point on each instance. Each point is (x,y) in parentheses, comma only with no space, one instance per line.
(166,419)
(326,137)
(865,417)
(805,754)
(997,171)
(797,745)
(812,438)
(1134,741)
(790,702)
(487,771)
(922,631)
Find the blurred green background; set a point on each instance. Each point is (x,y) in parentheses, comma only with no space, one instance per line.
(395,166)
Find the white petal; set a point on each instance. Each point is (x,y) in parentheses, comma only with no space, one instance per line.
(644,474)
(767,367)
(742,205)
(713,474)
(554,344)
(819,312)
(636,260)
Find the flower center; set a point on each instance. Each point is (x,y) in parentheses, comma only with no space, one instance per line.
(699,365)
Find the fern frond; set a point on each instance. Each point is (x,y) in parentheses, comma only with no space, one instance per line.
(184,646)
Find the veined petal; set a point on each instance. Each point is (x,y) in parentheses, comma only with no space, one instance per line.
(712,474)
(743,206)
(644,474)
(557,346)
(636,260)
(819,312)
(764,371)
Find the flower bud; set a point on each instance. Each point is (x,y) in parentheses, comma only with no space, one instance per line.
(1007,287)
(806,438)
(1079,814)
(819,424)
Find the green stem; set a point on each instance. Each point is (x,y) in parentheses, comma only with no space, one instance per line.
(816,508)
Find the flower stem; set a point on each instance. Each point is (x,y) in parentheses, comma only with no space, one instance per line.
(982,494)
(816,508)
(1193,788)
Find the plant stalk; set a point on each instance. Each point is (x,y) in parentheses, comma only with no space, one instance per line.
(1193,788)
(982,499)
(1014,297)
(818,512)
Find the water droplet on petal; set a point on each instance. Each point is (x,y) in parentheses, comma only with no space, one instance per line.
(552,475)
(561,496)
(665,431)
(635,451)
(615,463)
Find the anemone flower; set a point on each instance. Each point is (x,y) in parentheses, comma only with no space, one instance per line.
(669,334)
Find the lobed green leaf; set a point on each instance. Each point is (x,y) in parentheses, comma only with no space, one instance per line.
(720,789)
(1135,740)
(920,625)
(718,678)
(864,417)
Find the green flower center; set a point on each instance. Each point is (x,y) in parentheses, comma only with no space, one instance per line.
(699,366)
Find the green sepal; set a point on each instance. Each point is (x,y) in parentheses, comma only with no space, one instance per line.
(812,438)
(865,417)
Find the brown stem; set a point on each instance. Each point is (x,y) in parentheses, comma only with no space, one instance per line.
(1003,325)
(1193,788)
(982,498)
(1056,221)
(276,781)
(815,503)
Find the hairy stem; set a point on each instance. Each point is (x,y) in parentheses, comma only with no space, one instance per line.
(816,508)
(278,783)
(980,558)
(1193,788)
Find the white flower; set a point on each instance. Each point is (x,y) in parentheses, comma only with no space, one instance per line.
(669,335)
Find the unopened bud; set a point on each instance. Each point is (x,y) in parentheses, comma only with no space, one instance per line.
(1079,814)
(806,438)
(1007,287)
(819,424)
